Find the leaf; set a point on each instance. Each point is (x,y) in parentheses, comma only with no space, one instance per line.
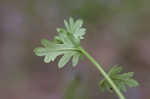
(75,28)
(102,85)
(132,83)
(125,76)
(66,25)
(120,85)
(51,57)
(64,60)
(114,70)
(47,59)
(45,42)
(71,21)
(75,59)
(66,43)
(121,80)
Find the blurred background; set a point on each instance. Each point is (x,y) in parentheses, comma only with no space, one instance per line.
(118,32)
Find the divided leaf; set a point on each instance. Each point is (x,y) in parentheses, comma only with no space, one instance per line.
(65,44)
(121,80)
(75,28)
(65,59)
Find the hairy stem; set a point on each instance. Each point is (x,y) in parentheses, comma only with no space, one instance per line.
(99,67)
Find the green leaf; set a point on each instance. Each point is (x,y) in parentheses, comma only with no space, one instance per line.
(64,60)
(132,83)
(125,76)
(66,25)
(114,70)
(47,59)
(75,28)
(45,42)
(51,57)
(102,85)
(75,59)
(66,43)
(71,21)
(121,80)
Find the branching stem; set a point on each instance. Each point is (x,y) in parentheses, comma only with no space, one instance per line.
(99,67)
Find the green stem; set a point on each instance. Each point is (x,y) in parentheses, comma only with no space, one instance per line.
(99,67)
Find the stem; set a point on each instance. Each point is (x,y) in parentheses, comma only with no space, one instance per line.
(99,67)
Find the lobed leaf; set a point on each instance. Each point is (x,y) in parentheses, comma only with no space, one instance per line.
(65,44)
(121,80)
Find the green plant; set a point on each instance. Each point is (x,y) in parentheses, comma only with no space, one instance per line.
(67,44)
